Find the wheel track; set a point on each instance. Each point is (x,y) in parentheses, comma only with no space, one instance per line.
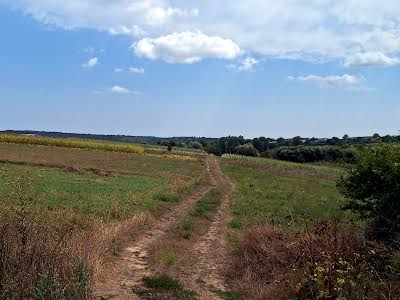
(211,249)
(132,265)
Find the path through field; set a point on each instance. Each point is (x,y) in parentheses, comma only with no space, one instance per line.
(208,252)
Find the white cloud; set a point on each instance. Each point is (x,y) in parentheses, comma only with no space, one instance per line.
(92,50)
(136,70)
(130,69)
(116,89)
(186,47)
(245,65)
(370,59)
(91,63)
(317,30)
(335,81)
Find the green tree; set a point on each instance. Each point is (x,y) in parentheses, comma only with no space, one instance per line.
(373,189)
(246,150)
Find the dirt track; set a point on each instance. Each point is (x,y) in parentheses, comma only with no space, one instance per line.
(132,265)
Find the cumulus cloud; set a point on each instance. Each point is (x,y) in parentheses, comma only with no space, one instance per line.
(91,63)
(370,59)
(335,81)
(186,47)
(303,30)
(245,65)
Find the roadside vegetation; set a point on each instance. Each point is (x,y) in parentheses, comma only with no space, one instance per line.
(296,236)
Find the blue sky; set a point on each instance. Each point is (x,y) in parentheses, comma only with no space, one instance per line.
(180,68)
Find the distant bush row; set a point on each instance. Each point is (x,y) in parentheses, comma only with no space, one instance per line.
(304,154)
(71,143)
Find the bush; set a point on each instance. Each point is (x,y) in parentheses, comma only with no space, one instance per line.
(373,190)
(303,154)
(246,150)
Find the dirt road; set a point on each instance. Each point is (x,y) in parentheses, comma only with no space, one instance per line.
(127,271)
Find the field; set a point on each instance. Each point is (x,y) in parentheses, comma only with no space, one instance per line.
(282,199)
(77,222)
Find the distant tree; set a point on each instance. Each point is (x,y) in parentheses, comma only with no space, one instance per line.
(376,136)
(195,145)
(246,150)
(171,144)
(280,141)
(373,189)
(334,141)
(345,137)
(296,141)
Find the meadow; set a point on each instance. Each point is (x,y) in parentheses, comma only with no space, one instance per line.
(65,208)
(291,238)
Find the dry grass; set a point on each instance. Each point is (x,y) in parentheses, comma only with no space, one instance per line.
(55,259)
(327,262)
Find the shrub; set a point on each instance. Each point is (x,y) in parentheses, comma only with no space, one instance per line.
(373,189)
(246,150)
(304,154)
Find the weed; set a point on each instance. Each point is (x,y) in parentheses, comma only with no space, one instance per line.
(236,224)
(185,234)
(208,203)
(151,204)
(188,224)
(226,295)
(161,196)
(82,276)
(168,257)
(165,285)
(163,282)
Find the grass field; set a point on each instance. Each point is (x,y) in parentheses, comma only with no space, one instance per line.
(279,165)
(86,194)
(281,198)
(65,207)
(97,183)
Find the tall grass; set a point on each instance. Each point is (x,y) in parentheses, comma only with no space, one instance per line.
(70,143)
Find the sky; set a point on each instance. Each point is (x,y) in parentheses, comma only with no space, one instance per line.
(201,68)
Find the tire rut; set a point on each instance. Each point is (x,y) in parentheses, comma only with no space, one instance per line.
(132,265)
(211,249)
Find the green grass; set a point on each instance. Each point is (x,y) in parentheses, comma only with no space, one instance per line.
(281,199)
(187,224)
(164,197)
(331,170)
(163,286)
(205,206)
(169,257)
(84,193)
